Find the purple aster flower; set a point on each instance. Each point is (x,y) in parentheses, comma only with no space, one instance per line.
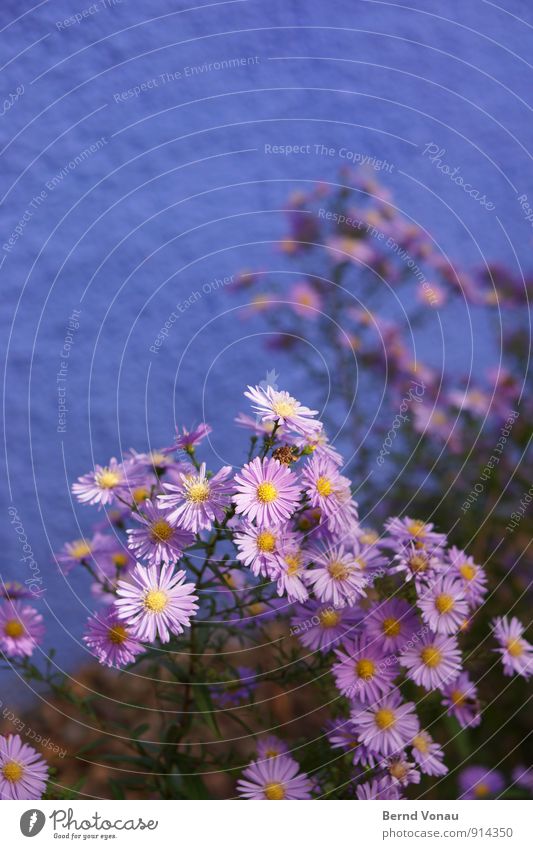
(111,641)
(369,558)
(158,541)
(197,501)
(21,629)
(74,553)
(419,564)
(106,483)
(292,573)
(400,771)
(432,661)
(341,735)
(237,692)
(320,627)
(335,578)
(523,776)
(259,428)
(258,547)
(157,603)
(319,445)
(115,561)
(443,605)
(420,534)
(386,726)
(516,652)
(267,492)
(363,671)
(157,461)
(273,405)
(328,490)
(472,576)
(13,591)
(271,747)
(428,754)
(377,788)
(477,782)
(274,779)
(23,772)
(187,440)
(391,623)
(461,701)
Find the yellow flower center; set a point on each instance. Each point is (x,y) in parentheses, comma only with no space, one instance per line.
(198,491)
(161,531)
(271,753)
(398,770)
(444,603)
(391,627)
(324,487)
(458,698)
(385,718)
(266,541)
(368,537)
(338,571)
(329,618)
(106,479)
(360,562)
(515,648)
(481,789)
(13,628)
(284,408)
(365,669)
(157,458)
(266,492)
(12,771)
(431,656)
(80,549)
(293,561)
(417,528)
(117,635)
(418,563)
(420,743)
(229,580)
(155,601)
(274,790)
(140,494)
(468,572)
(120,560)
(256,608)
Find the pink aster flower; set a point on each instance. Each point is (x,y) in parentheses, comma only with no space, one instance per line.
(79,550)
(258,548)
(292,573)
(21,629)
(267,492)
(320,627)
(328,490)
(271,747)
(158,541)
(369,558)
(274,779)
(275,406)
(391,624)
(428,754)
(335,577)
(432,661)
(400,771)
(477,782)
(472,576)
(112,641)
(461,701)
(443,604)
(386,726)
(13,591)
(106,483)
(418,564)
(415,531)
(319,445)
(187,440)
(341,735)
(305,300)
(516,652)
(157,603)
(363,671)
(23,772)
(197,501)
(377,789)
